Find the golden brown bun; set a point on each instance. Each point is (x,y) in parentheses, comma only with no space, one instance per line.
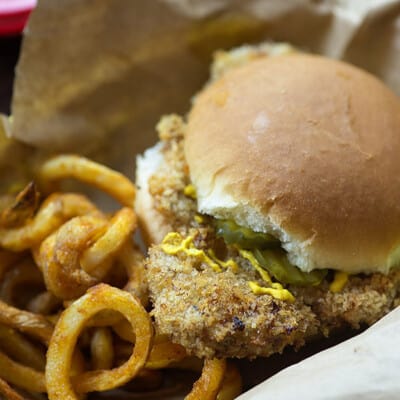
(306,148)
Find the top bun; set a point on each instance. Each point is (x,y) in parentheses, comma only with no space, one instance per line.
(305,148)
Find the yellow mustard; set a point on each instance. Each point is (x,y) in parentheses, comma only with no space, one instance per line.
(224,264)
(276,290)
(174,243)
(190,191)
(199,219)
(339,281)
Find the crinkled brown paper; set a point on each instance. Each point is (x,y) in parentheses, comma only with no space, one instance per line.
(101,72)
(95,76)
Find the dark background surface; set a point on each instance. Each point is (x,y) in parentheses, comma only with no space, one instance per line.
(9,51)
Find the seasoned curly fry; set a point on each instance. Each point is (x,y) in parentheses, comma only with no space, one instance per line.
(80,253)
(21,349)
(44,303)
(59,257)
(102,349)
(119,229)
(190,363)
(72,166)
(7,260)
(8,392)
(133,261)
(123,329)
(74,247)
(34,325)
(54,211)
(105,318)
(210,381)
(20,375)
(164,352)
(23,273)
(22,208)
(231,385)
(67,331)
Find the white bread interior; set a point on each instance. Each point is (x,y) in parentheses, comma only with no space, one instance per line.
(153,225)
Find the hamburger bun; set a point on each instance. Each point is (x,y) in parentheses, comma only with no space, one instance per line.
(307,149)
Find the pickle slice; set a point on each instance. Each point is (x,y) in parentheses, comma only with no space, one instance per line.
(277,264)
(244,237)
(268,253)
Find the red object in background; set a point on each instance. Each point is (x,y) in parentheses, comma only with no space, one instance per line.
(13,15)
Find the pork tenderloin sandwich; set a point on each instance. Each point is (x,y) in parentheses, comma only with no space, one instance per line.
(273,209)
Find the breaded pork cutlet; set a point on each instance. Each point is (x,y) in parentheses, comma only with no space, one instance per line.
(216,313)
(272,209)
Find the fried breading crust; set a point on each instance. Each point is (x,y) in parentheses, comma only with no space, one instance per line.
(216,313)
